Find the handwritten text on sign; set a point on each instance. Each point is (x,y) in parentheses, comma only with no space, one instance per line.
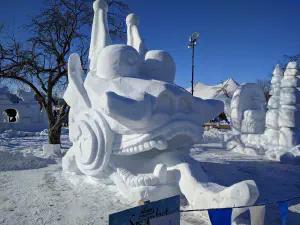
(141,215)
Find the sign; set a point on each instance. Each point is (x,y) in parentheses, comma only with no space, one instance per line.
(172,219)
(141,215)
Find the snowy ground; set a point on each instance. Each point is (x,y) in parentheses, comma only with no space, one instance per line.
(33,189)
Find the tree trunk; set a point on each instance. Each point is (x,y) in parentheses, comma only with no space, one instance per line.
(55,124)
(54,135)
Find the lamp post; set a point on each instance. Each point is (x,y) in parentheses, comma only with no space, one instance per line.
(193,42)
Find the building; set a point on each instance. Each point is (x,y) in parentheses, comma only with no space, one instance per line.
(21,112)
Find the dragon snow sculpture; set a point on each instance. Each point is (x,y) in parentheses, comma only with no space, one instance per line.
(128,120)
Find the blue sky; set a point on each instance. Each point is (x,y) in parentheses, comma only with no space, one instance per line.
(242,39)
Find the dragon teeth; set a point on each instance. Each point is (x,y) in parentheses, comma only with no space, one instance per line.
(141,148)
(147,145)
(161,144)
(160,171)
(139,180)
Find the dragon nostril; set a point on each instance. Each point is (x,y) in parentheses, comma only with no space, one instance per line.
(165,104)
(184,105)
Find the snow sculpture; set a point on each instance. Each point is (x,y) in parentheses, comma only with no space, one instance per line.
(247,120)
(247,112)
(282,131)
(272,130)
(23,116)
(128,121)
(289,113)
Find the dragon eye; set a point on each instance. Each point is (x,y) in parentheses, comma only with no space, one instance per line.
(118,61)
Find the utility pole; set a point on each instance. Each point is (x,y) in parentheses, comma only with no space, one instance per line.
(192,44)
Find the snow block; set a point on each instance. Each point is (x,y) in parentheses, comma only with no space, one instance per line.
(272,118)
(52,149)
(264,142)
(289,137)
(292,82)
(289,73)
(289,116)
(273,136)
(276,80)
(291,70)
(274,102)
(254,114)
(253,122)
(289,96)
(275,90)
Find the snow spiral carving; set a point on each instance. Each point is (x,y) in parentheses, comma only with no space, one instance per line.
(93,144)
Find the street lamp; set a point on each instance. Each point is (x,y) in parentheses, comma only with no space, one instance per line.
(192,44)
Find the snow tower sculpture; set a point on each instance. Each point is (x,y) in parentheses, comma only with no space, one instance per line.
(128,121)
(272,127)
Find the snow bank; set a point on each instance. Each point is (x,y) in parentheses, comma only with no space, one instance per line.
(22,161)
(14,133)
(213,135)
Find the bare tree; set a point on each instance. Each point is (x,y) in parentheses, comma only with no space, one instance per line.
(41,61)
(265,84)
(223,88)
(290,58)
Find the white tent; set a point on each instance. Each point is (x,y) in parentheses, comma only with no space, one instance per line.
(213,92)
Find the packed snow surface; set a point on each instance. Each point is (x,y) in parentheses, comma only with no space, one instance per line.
(31,194)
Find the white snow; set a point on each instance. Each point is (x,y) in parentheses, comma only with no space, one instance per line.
(41,194)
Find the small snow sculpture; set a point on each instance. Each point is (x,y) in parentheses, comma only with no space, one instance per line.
(247,112)
(247,120)
(128,121)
